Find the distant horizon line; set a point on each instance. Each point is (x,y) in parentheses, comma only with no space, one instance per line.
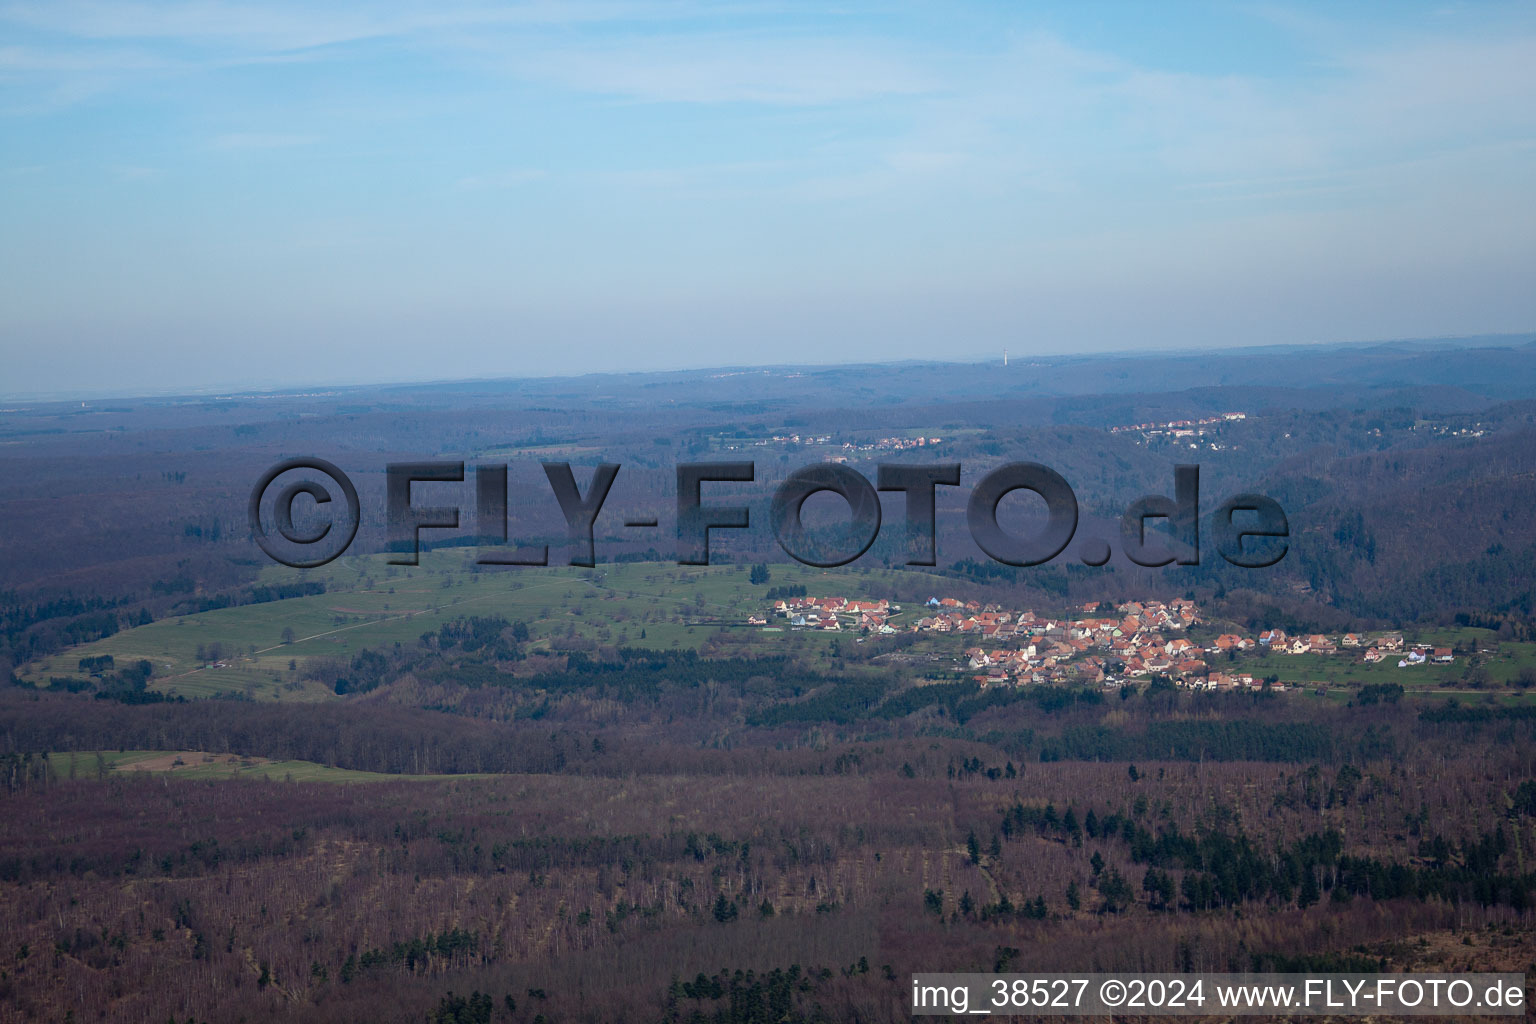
(1019,359)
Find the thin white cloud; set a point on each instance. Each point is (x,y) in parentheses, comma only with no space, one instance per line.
(132,172)
(292,26)
(240,141)
(503,179)
(651,52)
(725,68)
(32,59)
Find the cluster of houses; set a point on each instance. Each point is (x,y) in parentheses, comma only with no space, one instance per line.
(893,444)
(1375,649)
(884,444)
(1179,428)
(1141,638)
(1444,430)
(830,613)
(1181,432)
(1138,640)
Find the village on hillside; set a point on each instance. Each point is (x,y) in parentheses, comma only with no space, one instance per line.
(883,444)
(1193,433)
(1140,639)
(1179,428)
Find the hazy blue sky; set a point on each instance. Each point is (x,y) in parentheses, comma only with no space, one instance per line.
(217,193)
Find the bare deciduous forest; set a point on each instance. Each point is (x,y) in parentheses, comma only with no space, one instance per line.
(153,897)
